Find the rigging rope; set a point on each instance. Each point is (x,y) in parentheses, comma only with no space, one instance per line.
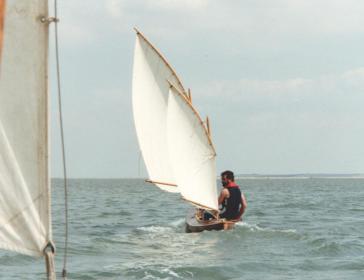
(64,271)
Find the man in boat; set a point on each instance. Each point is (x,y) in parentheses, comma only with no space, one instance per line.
(231,198)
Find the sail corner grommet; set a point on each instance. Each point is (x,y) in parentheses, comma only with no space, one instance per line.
(50,246)
(49,20)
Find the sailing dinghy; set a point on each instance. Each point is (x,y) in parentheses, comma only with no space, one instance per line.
(175,143)
(25,195)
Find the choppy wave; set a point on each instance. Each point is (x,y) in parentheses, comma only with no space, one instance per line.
(293,229)
(256,228)
(155,229)
(178,223)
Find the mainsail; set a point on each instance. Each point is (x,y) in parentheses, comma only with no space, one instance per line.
(25,223)
(151,74)
(191,152)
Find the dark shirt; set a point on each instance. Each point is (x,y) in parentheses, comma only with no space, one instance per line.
(231,204)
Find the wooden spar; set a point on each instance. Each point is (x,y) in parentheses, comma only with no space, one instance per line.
(141,35)
(208,126)
(232,221)
(189,96)
(200,205)
(49,261)
(2,17)
(194,111)
(160,183)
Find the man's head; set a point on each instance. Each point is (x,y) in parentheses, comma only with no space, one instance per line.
(227,177)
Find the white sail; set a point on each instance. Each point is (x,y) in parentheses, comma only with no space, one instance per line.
(25,225)
(2,13)
(151,73)
(191,152)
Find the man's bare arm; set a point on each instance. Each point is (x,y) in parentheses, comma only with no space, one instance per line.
(224,194)
(243,206)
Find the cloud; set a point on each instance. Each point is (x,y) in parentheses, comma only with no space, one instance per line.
(79,35)
(355,79)
(285,107)
(274,76)
(351,81)
(178,5)
(78,25)
(115,8)
(323,16)
(246,22)
(282,16)
(288,125)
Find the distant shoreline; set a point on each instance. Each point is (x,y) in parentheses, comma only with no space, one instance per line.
(248,176)
(300,176)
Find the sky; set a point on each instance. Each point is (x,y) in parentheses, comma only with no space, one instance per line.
(281,81)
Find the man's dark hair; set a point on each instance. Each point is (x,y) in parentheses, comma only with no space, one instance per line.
(228,175)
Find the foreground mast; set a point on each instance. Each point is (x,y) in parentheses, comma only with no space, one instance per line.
(2,13)
(25,213)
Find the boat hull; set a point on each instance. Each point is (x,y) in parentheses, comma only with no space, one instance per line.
(195,225)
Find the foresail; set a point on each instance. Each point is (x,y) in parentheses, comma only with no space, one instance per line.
(25,225)
(191,152)
(151,73)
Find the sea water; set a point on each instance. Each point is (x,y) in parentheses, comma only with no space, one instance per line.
(128,229)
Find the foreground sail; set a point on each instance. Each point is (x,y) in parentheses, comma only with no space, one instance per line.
(25,225)
(191,152)
(151,74)
(2,13)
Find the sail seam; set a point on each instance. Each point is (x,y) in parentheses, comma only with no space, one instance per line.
(22,210)
(21,250)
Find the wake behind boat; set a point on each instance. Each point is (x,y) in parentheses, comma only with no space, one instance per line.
(175,142)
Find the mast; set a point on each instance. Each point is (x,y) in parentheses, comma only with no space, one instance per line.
(49,262)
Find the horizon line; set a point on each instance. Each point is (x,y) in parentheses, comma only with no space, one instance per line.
(238,175)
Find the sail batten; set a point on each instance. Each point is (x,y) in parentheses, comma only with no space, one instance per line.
(25,220)
(160,183)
